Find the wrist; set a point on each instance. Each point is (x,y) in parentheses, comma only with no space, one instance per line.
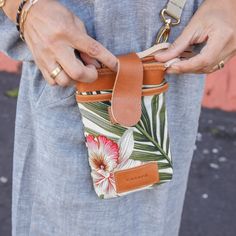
(10,9)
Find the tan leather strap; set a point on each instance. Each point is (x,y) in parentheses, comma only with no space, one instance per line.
(153,50)
(107,96)
(127,91)
(153,75)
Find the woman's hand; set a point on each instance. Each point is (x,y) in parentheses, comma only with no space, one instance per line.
(213,23)
(52,33)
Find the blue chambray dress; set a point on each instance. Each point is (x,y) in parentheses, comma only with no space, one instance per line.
(53,193)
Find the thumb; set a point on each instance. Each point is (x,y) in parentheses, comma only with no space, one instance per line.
(176,48)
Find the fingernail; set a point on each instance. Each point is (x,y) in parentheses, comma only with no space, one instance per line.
(169,71)
(172,62)
(174,67)
(91,66)
(157,56)
(173,70)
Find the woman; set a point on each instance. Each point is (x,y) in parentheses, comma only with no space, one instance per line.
(52,187)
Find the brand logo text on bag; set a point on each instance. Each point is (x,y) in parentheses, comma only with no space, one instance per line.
(136,177)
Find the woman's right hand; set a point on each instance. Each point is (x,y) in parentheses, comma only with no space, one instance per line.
(52,33)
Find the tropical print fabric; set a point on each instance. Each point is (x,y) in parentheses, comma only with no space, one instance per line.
(112,147)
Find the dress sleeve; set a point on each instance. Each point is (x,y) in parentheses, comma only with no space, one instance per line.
(10,41)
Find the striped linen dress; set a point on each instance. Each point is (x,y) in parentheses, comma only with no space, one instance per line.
(53,193)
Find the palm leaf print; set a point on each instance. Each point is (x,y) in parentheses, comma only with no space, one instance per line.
(151,141)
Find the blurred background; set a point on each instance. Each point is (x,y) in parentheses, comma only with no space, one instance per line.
(210,205)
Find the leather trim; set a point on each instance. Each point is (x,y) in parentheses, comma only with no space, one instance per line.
(153,74)
(107,96)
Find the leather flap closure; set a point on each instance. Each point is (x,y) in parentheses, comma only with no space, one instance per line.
(127,91)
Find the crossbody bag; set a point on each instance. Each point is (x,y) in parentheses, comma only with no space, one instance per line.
(125,119)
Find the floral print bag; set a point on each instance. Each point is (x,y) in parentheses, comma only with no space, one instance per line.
(126,157)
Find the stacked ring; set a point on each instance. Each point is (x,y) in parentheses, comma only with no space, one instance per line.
(221,65)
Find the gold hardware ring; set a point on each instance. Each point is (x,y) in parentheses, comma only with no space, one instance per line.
(169,21)
(55,72)
(167,16)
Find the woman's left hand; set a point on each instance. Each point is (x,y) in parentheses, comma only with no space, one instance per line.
(214,23)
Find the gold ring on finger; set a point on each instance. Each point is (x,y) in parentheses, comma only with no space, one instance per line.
(55,72)
(221,65)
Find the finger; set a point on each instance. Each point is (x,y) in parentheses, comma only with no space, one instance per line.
(175,49)
(61,78)
(224,56)
(47,77)
(216,67)
(94,49)
(207,58)
(86,59)
(39,62)
(75,69)
(44,70)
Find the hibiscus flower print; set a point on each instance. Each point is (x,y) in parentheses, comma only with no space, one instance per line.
(103,153)
(107,156)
